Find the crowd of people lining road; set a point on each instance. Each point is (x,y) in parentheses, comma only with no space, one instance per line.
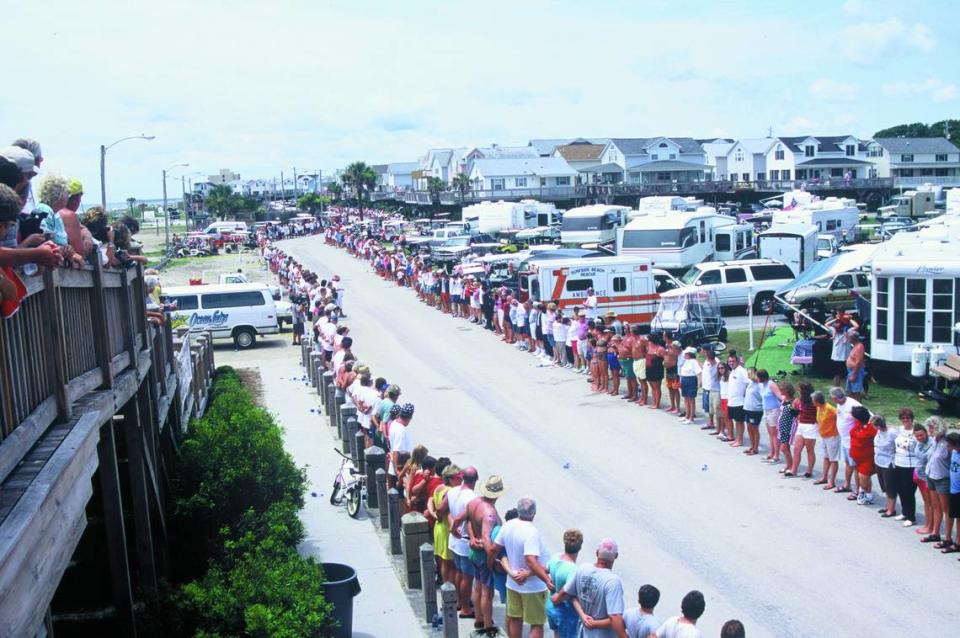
(483,553)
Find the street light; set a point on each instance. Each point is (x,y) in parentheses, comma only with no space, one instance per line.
(166,214)
(186,186)
(103,161)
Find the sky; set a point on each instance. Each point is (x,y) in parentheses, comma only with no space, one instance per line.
(264,87)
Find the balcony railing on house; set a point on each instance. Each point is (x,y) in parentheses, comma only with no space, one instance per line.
(77,358)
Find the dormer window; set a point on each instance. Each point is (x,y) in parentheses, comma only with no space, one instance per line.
(778,154)
(663,145)
(851,150)
(809,150)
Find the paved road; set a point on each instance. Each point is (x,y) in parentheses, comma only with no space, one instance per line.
(785,557)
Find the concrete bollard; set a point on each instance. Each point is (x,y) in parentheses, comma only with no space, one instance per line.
(373,458)
(428,581)
(318,373)
(448,600)
(393,520)
(326,381)
(414,532)
(328,404)
(303,352)
(358,444)
(338,401)
(347,412)
(350,443)
(312,367)
(379,493)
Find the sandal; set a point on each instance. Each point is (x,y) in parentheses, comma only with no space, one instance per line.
(841,490)
(788,474)
(828,487)
(931,538)
(886,515)
(953,549)
(852,497)
(807,475)
(942,545)
(820,482)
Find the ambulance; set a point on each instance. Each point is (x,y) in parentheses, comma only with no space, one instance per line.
(629,286)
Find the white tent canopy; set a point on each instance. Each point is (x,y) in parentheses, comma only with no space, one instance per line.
(858,256)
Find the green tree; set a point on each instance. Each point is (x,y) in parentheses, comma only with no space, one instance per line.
(335,190)
(130,203)
(222,201)
(361,178)
(311,203)
(944,128)
(461,183)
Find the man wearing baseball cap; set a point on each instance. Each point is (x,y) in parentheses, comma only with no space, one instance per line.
(600,593)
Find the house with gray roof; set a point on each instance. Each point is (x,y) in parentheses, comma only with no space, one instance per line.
(747,159)
(818,157)
(914,157)
(495,151)
(659,160)
(715,153)
(442,163)
(546,147)
(506,175)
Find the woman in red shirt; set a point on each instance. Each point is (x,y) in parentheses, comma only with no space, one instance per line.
(861,451)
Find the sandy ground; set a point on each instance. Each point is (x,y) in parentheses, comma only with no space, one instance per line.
(782,555)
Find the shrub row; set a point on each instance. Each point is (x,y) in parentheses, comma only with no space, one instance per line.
(235,528)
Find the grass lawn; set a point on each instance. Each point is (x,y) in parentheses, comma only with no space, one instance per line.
(885,400)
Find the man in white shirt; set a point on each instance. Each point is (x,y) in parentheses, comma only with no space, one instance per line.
(591,304)
(710,384)
(844,424)
(400,440)
(736,394)
(459,542)
(685,625)
(529,581)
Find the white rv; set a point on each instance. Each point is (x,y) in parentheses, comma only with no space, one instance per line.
(629,286)
(495,217)
(836,216)
(596,224)
(794,245)
(673,239)
(915,279)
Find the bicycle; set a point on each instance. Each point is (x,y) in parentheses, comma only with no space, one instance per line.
(349,484)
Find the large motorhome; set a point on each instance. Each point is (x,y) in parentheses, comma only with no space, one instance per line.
(673,239)
(836,216)
(629,286)
(596,224)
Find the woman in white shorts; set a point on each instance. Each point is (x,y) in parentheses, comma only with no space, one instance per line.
(807,429)
(771,413)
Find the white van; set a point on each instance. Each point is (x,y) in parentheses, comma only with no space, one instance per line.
(237,311)
(219,228)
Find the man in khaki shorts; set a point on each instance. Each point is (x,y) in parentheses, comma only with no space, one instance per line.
(527,577)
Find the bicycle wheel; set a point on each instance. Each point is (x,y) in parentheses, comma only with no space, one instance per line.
(336,494)
(353,500)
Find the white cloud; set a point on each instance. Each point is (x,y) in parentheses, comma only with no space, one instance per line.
(932,87)
(854,7)
(921,38)
(798,125)
(828,89)
(873,41)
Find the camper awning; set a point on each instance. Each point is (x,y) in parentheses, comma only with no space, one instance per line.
(846,261)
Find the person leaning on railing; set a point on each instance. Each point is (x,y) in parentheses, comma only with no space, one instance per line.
(46,254)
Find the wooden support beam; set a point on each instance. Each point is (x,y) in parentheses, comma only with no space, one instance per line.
(101,341)
(126,320)
(116,534)
(140,499)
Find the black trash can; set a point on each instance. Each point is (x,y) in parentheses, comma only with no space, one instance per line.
(339,588)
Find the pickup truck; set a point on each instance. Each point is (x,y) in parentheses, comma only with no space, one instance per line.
(454,249)
(240,278)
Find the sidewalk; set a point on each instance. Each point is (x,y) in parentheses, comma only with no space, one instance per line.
(382,608)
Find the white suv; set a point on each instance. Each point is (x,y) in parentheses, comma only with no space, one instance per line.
(735,281)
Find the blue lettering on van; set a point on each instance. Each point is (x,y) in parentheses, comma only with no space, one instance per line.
(216,319)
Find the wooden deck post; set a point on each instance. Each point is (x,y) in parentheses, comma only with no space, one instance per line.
(98,310)
(136,467)
(116,535)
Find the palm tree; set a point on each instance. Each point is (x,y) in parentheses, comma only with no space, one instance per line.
(335,189)
(461,182)
(221,201)
(361,178)
(130,202)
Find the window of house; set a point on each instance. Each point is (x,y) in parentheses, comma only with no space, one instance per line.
(663,177)
(497,184)
(579,285)
(916,310)
(673,156)
(654,156)
(663,145)
(619,284)
(775,175)
(851,150)
(521,182)
(906,172)
(785,174)
(836,172)
(883,307)
(735,275)
(738,156)
(801,173)
(925,172)
(940,172)
(563,181)
(809,150)
(746,177)
(941,157)
(907,157)
(761,177)
(875,151)
(779,153)
(942,311)
(543,181)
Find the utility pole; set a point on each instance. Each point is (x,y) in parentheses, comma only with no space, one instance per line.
(166,224)
(296,194)
(283,189)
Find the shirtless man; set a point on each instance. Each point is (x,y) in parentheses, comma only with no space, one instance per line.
(625,354)
(671,356)
(640,348)
(482,517)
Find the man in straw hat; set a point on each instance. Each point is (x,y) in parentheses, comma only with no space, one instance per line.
(482,517)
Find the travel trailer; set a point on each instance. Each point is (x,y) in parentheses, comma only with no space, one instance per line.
(836,216)
(495,217)
(673,239)
(596,224)
(734,242)
(629,286)
(916,203)
(794,245)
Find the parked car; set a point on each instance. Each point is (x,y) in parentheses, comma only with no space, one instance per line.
(284,313)
(829,294)
(240,278)
(735,281)
(456,248)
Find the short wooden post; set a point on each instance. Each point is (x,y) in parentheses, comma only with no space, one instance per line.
(428,581)
(448,598)
(414,532)
(373,459)
(357,444)
(393,520)
(351,441)
(380,492)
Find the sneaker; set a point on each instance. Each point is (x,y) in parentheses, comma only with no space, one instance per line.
(868,499)
(685,420)
(899,517)
(861,498)
(908,523)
